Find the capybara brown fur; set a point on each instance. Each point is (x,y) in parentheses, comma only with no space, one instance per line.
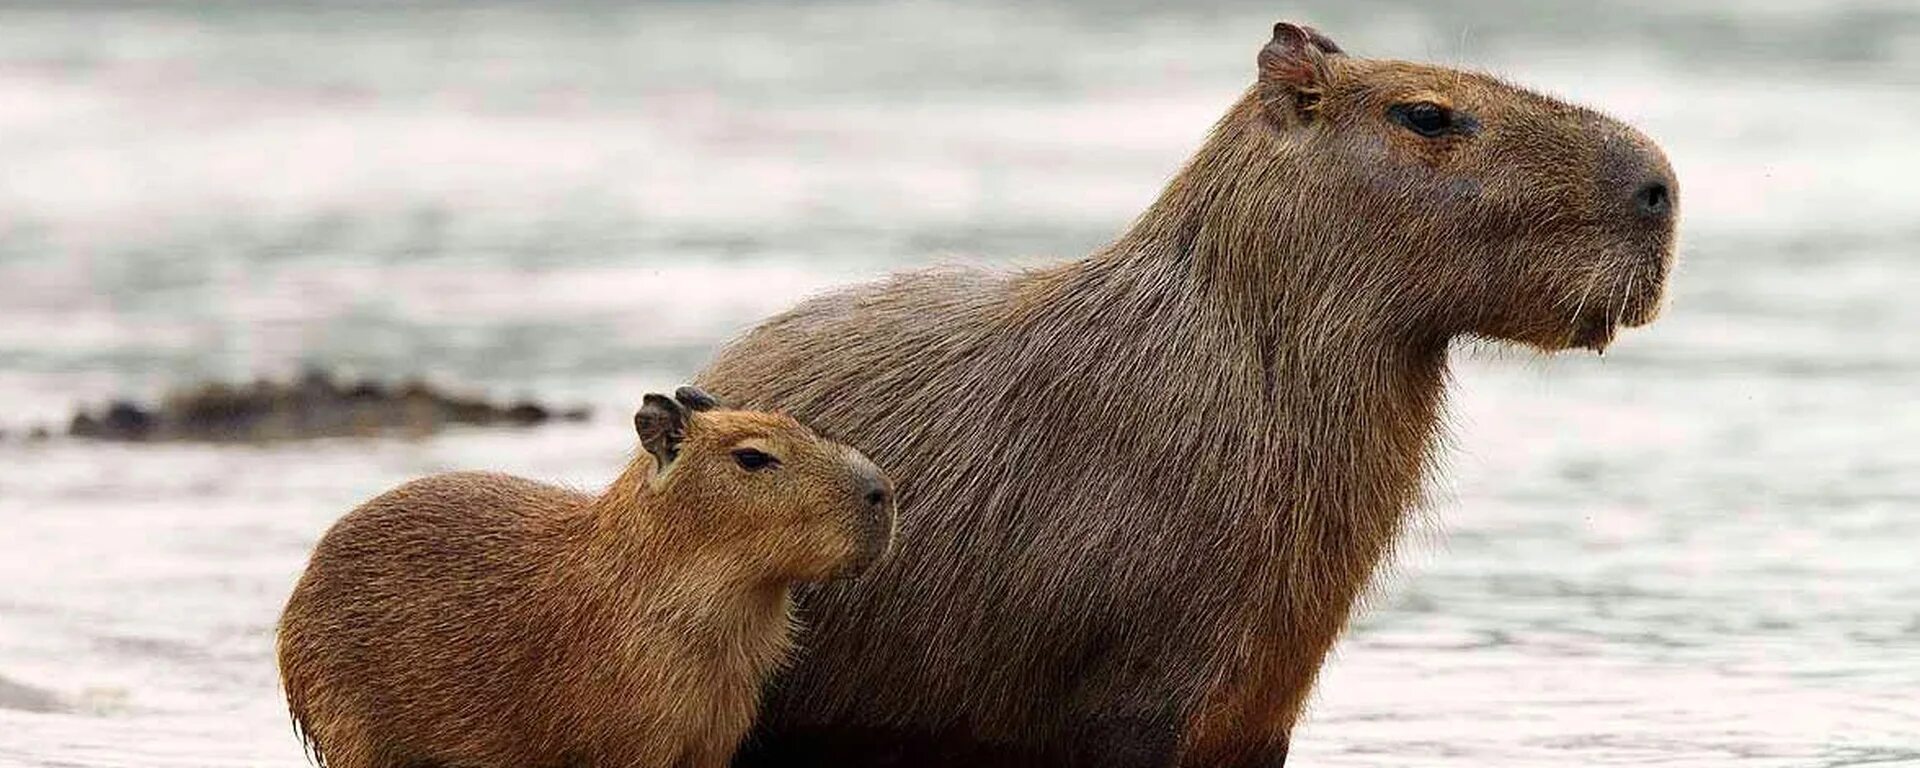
(479,620)
(1182,457)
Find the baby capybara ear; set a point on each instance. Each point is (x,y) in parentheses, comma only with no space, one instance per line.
(696,399)
(662,424)
(1294,73)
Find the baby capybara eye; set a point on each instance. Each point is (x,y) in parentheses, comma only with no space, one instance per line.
(754,461)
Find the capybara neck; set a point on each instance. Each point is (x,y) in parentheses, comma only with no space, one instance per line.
(1338,373)
(634,540)
(1242,226)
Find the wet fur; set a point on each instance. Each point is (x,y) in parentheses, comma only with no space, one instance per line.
(1142,491)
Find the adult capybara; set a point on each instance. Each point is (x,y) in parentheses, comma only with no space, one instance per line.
(1181,458)
(478,620)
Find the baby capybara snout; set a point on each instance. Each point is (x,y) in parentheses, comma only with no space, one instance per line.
(873,514)
(481,619)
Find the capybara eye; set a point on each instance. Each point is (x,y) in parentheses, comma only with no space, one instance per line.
(1423,117)
(754,461)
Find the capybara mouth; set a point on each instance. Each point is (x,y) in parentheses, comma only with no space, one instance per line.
(854,569)
(1644,306)
(1641,302)
(1636,301)
(869,556)
(874,541)
(1594,331)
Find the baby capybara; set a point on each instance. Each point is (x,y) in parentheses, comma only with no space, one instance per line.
(483,620)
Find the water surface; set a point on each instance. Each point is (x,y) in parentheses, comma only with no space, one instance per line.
(1695,551)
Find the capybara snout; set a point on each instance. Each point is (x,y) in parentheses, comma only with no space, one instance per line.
(874,520)
(487,620)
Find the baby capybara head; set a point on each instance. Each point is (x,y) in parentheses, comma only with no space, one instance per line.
(1505,213)
(814,508)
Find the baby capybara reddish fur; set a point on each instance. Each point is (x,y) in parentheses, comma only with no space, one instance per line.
(482,620)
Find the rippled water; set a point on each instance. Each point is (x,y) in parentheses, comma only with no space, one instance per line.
(1698,550)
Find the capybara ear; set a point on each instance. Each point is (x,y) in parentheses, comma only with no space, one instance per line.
(662,424)
(1294,73)
(696,399)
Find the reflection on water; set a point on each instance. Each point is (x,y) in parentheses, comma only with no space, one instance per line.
(1694,551)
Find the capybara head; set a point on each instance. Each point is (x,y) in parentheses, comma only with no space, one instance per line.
(1501,212)
(817,509)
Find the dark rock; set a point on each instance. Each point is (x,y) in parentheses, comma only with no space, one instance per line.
(127,421)
(367,391)
(316,404)
(525,412)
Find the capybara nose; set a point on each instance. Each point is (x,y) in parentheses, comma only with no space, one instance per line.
(1654,199)
(871,483)
(876,519)
(1636,180)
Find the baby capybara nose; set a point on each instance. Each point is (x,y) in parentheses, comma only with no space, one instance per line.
(875,520)
(872,485)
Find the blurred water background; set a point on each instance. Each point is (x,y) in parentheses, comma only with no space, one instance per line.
(1699,550)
